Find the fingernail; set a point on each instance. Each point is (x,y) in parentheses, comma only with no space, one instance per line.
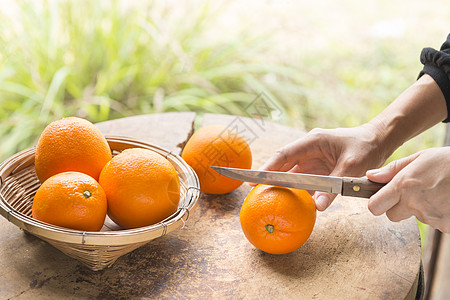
(322,202)
(373,171)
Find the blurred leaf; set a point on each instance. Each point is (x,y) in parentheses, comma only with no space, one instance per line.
(103,60)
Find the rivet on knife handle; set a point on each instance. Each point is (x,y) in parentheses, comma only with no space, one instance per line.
(360,187)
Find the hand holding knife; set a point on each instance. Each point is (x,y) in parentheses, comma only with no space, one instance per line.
(346,186)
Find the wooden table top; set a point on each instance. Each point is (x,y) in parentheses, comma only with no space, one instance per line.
(350,255)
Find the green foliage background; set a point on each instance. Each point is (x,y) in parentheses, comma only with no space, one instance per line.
(107,59)
(326,64)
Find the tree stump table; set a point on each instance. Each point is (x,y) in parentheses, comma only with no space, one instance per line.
(350,255)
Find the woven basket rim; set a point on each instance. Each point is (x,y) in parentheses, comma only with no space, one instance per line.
(188,201)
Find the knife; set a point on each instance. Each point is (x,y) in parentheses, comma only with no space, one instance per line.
(346,186)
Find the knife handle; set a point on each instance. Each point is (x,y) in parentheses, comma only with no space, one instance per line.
(360,187)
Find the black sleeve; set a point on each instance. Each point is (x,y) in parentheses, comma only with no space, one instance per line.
(437,65)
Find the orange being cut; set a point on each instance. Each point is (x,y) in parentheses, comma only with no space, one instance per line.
(277,220)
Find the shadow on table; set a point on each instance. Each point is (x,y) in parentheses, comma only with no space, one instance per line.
(159,267)
(328,249)
(147,271)
(305,262)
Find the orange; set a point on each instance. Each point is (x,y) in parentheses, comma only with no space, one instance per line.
(217,145)
(71,144)
(277,220)
(71,199)
(142,188)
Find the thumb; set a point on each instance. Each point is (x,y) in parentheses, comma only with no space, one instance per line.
(323,200)
(386,173)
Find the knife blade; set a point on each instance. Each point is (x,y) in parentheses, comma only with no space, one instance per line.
(346,186)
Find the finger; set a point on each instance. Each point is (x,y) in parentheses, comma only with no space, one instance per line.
(386,173)
(443,226)
(287,156)
(296,169)
(383,200)
(323,200)
(276,161)
(398,213)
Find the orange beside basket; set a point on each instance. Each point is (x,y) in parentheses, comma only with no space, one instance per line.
(97,250)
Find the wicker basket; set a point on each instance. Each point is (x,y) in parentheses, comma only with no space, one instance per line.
(18,184)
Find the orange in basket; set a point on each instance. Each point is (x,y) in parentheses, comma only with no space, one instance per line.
(217,145)
(71,199)
(97,250)
(142,188)
(71,144)
(277,220)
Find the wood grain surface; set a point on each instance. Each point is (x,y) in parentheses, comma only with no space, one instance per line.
(350,254)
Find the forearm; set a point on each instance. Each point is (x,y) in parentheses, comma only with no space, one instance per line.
(418,108)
